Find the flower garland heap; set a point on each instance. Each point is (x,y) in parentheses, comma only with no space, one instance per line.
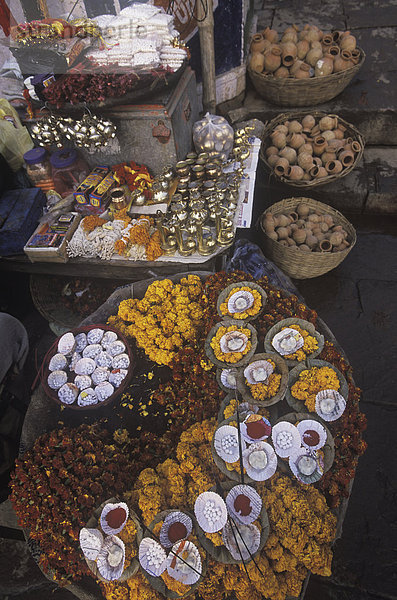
(167,318)
(311,382)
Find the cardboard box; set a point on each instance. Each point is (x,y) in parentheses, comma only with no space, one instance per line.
(48,245)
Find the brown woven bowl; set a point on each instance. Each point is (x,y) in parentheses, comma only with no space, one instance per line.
(351,131)
(44,371)
(303,92)
(297,263)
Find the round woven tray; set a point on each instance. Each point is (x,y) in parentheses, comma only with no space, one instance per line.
(281,368)
(328,448)
(306,325)
(299,405)
(93,523)
(226,323)
(44,371)
(49,304)
(303,92)
(351,131)
(221,553)
(158,583)
(297,263)
(224,294)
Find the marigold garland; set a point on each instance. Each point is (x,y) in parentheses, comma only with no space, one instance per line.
(311,381)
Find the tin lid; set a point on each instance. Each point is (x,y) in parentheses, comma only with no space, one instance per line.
(35,155)
(61,159)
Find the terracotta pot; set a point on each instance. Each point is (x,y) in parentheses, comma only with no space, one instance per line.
(288,153)
(313,56)
(303,209)
(329,220)
(258,43)
(303,72)
(319,145)
(295,140)
(316,45)
(305,161)
(306,148)
(279,139)
(324,66)
(281,166)
(336,36)
(333,51)
(289,48)
(295,173)
(322,172)
(325,246)
(327,40)
(356,146)
(311,240)
(338,134)
(343,61)
(281,73)
(326,123)
(308,122)
(271,150)
(348,42)
(302,48)
(291,242)
(294,216)
(336,238)
(257,62)
(287,59)
(335,145)
(273,59)
(282,127)
(270,34)
(327,156)
(317,161)
(272,159)
(283,220)
(328,135)
(282,233)
(295,67)
(356,56)
(294,126)
(346,157)
(333,167)
(290,35)
(299,236)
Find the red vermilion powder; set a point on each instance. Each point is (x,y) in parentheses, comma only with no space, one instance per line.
(116,517)
(242,505)
(311,437)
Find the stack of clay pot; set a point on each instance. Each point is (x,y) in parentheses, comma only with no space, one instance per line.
(311,148)
(306,229)
(302,54)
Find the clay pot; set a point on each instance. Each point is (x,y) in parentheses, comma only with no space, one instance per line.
(295,67)
(319,145)
(302,48)
(325,246)
(272,235)
(268,226)
(283,128)
(281,73)
(288,153)
(272,159)
(356,146)
(343,61)
(324,227)
(294,127)
(283,242)
(282,233)
(338,134)
(311,240)
(295,140)
(300,223)
(305,161)
(270,34)
(313,34)
(315,130)
(287,59)
(348,42)
(271,150)
(329,220)
(346,157)
(294,227)
(294,216)
(295,173)
(257,62)
(305,248)
(333,51)
(299,236)
(279,139)
(291,242)
(317,161)
(317,45)
(272,59)
(326,123)
(313,56)
(327,40)
(308,122)
(333,167)
(356,56)
(303,72)
(313,172)
(289,48)
(322,172)
(327,156)
(328,135)
(281,166)
(303,209)
(258,43)
(306,148)
(290,36)
(336,36)
(335,145)
(324,66)
(336,238)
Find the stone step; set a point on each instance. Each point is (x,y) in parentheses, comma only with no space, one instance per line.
(370,100)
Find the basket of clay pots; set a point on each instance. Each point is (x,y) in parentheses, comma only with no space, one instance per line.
(306,238)
(310,148)
(302,68)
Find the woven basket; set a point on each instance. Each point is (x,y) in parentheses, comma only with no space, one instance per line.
(351,131)
(297,263)
(299,405)
(49,304)
(303,92)
(93,523)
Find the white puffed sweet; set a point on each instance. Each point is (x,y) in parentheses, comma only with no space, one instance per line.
(76,356)
(108,338)
(92,350)
(57,379)
(95,335)
(82,381)
(81,341)
(100,375)
(104,390)
(116,347)
(58,362)
(66,343)
(85,366)
(121,361)
(103,359)
(68,393)
(87,397)
(117,376)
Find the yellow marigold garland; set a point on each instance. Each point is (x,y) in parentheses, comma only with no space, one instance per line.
(311,381)
(229,357)
(250,312)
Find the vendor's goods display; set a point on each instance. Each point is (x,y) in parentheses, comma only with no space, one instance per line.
(310,149)
(306,238)
(303,67)
(242,506)
(87,367)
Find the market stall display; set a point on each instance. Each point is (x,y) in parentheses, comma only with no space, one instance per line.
(180,475)
(310,148)
(304,67)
